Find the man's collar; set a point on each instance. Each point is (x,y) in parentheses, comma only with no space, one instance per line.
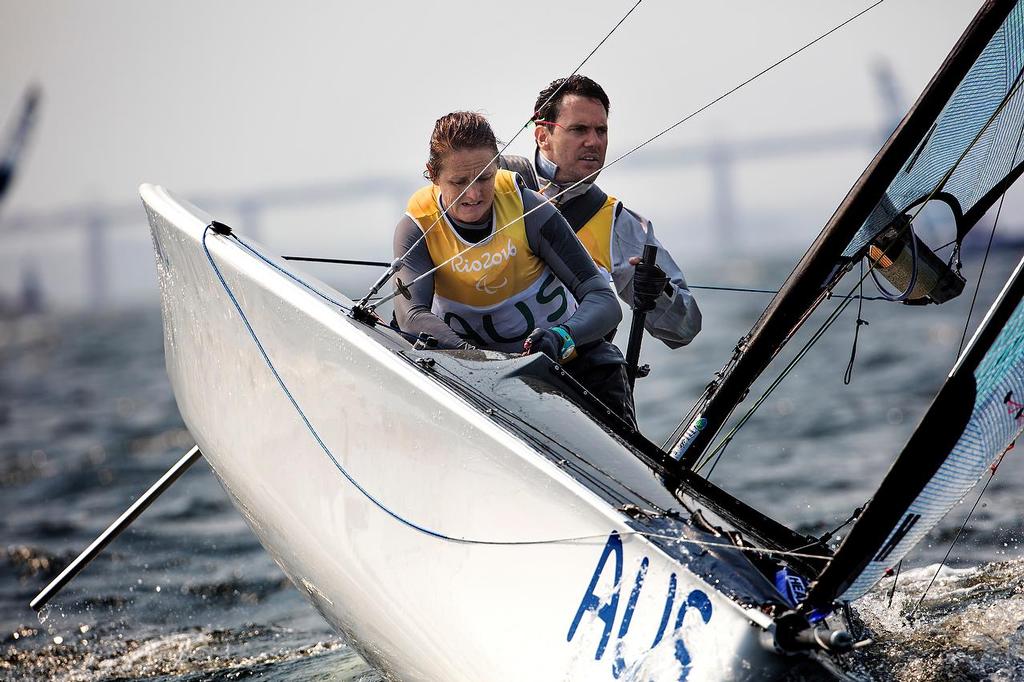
(546,168)
(546,172)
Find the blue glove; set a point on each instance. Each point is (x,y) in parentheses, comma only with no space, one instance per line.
(556,343)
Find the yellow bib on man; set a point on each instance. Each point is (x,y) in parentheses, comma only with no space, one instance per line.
(596,236)
(497,291)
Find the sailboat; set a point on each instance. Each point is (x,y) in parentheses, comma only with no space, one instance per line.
(468,515)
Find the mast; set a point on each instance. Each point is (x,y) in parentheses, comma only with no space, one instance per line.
(823,264)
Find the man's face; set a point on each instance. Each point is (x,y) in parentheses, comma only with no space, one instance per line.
(578,142)
(459,167)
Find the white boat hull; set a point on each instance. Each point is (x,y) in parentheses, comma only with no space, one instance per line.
(420,603)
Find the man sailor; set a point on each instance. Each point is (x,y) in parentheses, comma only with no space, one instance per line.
(571,116)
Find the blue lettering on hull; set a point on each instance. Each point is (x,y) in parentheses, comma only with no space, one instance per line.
(606,609)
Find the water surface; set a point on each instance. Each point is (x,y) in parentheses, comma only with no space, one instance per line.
(88,421)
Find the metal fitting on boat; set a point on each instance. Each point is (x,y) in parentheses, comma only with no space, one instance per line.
(793,634)
(425,342)
(220,228)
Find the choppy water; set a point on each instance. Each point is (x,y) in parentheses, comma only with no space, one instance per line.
(87,422)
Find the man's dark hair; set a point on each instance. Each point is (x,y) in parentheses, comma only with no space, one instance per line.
(576,84)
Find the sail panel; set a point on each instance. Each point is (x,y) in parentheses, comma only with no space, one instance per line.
(996,422)
(983,118)
(945,457)
(824,264)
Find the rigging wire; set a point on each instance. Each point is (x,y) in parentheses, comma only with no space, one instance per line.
(396,264)
(815,337)
(707,287)
(708,105)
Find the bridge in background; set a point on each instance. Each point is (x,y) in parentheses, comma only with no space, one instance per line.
(717,157)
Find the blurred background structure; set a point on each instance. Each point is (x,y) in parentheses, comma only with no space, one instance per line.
(306,126)
(719,159)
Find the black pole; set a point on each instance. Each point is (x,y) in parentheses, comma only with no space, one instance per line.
(636,329)
(115,529)
(340,261)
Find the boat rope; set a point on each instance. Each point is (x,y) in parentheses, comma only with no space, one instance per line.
(396,265)
(590,176)
(408,522)
(707,287)
(223,230)
(848,375)
(963,526)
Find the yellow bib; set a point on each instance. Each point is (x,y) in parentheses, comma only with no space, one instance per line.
(498,291)
(596,235)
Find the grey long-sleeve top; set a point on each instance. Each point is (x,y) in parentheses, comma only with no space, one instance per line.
(549,237)
(676,319)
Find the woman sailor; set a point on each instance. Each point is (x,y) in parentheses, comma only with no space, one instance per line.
(507,281)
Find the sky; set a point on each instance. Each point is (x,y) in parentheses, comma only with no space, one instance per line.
(215,99)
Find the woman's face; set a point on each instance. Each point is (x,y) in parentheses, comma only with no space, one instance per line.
(459,167)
